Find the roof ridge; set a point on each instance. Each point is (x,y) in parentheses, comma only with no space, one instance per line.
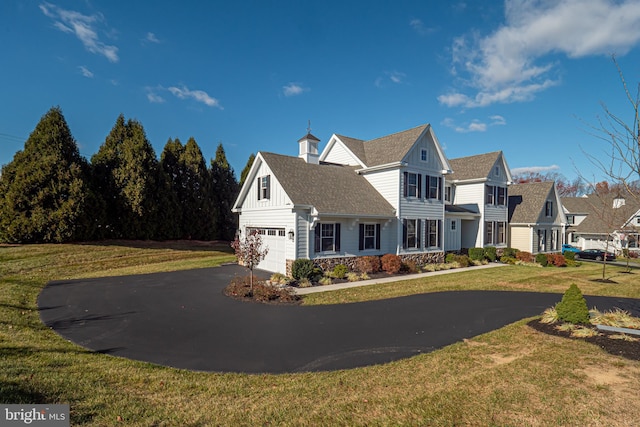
(398,132)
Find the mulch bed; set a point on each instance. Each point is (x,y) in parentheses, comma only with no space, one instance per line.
(618,347)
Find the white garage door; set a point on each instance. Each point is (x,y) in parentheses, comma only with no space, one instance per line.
(273,238)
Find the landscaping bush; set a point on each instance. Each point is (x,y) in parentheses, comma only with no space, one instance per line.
(339,271)
(391,263)
(476,254)
(279,278)
(302,268)
(353,277)
(409,266)
(558,260)
(524,256)
(462,260)
(240,287)
(510,252)
(542,259)
(490,253)
(324,281)
(450,257)
(573,307)
(507,259)
(570,256)
(368,264)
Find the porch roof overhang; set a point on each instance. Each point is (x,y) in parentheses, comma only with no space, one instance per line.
(460,212)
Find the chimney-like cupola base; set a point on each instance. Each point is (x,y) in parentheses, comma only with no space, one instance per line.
(309,149)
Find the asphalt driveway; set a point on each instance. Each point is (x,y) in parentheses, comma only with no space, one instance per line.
(182,319)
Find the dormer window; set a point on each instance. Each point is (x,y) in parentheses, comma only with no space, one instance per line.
(424,155)
(548,209)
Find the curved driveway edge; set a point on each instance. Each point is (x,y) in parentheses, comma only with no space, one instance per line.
(183,320)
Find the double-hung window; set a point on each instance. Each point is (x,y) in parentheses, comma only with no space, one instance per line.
(411,233)
(495,232)
(542,240)
(548,209)
(433,233)
(369,237)
(264,187)
(488,229)
(327,237)
(496,196)
(491,199)
(434,187)
(412,184)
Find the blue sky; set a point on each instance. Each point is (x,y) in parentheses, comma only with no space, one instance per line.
(525,76)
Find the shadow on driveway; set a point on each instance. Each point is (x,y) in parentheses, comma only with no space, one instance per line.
(183,320)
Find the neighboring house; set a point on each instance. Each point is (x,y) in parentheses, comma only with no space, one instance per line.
(356,198)
(536,219)
(476,201)
(610,221)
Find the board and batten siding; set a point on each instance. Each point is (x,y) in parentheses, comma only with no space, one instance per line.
(452,238)
(433,164)
(339,154)
(277,196)
(520,237)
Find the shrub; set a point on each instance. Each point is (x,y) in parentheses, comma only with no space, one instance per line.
(507,259)
(368,264)
(476,254)
(570,256)
(409,266)
(463,260)
(364,276)
(325,281)
(304,283)
(302,268)
(353,277)
(451,257)
(490,253)
(542,259)
(573,307)
(240,287)
(558,260)
(339,271)
(279,278)
(524,256)
(391,263)
(510,252)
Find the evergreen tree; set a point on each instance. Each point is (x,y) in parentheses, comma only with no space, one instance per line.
(126,174)
(198,215)
(247,168)
(225,192)
(44,192)
(172,167)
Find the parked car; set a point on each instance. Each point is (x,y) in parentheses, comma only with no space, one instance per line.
(569,248)
(595,254)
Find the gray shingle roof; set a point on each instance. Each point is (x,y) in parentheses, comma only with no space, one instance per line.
(526,201)
(387,149)
(473,167)
(331,189)
(576,205)
(602,217)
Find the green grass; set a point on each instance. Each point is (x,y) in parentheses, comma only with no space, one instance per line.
(513,376)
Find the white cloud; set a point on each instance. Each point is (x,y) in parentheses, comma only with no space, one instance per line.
(475,125)
(154,98)
(150,37)
(396,77)
(293,89)
(420,28)
(512,64)
(199,95)
(534,169)
(85,71)
(83,27)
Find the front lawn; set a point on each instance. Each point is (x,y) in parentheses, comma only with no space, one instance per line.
(513,376)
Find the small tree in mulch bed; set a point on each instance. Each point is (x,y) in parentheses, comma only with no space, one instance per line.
(573,307)
(250,252)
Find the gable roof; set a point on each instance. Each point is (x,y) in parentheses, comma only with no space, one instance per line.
(474,167)
(526,201)
(602,217)
(576,205)
(330,189)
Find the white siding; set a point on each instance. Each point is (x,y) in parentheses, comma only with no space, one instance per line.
(277,197)
(520,238)
(388,185)
(339,154)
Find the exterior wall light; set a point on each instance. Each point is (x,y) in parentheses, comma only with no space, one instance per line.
(291,234)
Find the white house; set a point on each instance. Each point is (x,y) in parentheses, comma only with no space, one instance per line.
(356,198)
(536,218)
(604,221)
(477,189)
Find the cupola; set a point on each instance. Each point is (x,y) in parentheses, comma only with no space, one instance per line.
(309,149)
